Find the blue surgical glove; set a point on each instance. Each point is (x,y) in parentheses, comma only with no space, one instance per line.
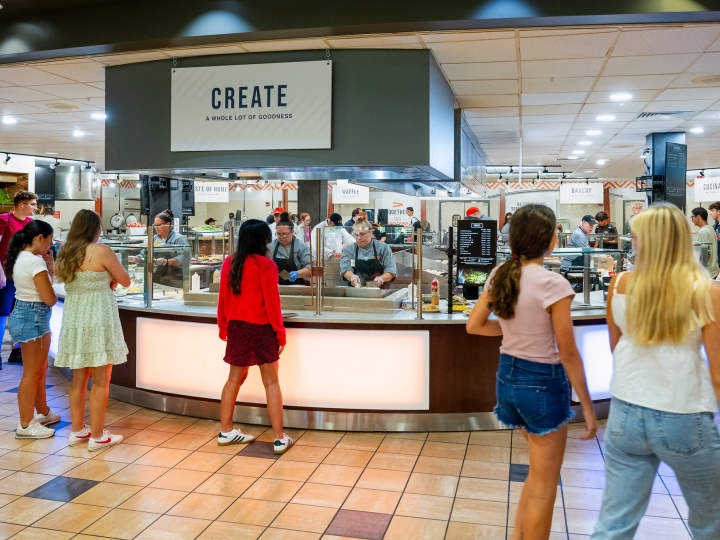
(293,276)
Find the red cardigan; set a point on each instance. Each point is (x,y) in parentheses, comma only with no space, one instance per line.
(259,298)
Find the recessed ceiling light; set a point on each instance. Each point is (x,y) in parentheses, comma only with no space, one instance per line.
(9,120)
(601,161)
(51,153)
(593,132)
(98,116)
(78,133)
(573,157)
(693,130)
(620,97)
(585,143)
(605,118)
(578,152)
(589,170)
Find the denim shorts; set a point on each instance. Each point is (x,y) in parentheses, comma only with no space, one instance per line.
(532,395)
(29,320)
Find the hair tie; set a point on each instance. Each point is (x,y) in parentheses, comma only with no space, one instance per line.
(515,256)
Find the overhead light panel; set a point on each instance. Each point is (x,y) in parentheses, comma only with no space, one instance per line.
(585,143)
(9,120)
(620,97)
(601,161)
(697,130)
(593,132)
(605,118)
(98,116)
(578,152)
(51,153)
(573,157)
(78,133)
(7,158)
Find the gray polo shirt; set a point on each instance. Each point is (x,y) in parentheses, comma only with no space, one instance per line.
(367,253)
(173,239)
(301,255)
(578,239)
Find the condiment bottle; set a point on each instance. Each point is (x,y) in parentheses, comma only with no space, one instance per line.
(195,286)
(216,276)
(435,292)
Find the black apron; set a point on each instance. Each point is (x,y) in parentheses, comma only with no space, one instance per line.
(370,269)
(286,264)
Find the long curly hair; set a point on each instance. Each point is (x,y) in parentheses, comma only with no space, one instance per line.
(22,239)
(253,238)
(84,229)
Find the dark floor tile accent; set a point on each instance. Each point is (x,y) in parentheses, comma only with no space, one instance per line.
(15,390)
(62,489)
(518,473)
(258,449)
(59,425)
(367,525)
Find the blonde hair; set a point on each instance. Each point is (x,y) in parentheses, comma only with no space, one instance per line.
(668,294)
(362,224)
(637,204)
(85,227)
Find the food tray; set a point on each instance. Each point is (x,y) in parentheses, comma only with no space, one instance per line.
(366,292)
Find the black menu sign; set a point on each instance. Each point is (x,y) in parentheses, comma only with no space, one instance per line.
(476,249)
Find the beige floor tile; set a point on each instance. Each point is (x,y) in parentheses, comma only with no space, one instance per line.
(123,524)
(383,480)
(137,475)
(661,506)
(269,436)
(246,466)
(311,454)
(586,498)
(657,528)
(134,422)
(361,441)
(456,437)
(213,447)
(209,428)
(486,469)
(425,506)
(201,506)
(411,528)
(338,475)
(286,534)
(180,480)
(443,450)
(252,512)
(497,454)
(184,441)
(474,531)
(8,529)
(219,530)
(436,465)
(483,489)
(106,494)
(372,500)
(35,533)
(22,482)
(7,499)
(8,440)
(420,436)
(266,489)
(580,521)
(325,439)
(491,438)
(409,447)
(47,446)
(482,512)
(124,453)
(17,460)
(227,485)
(583,478)
(25,510)
(172,425)
(321,495)
(72,517)
(392,462)
(174,528)
(290,470)
(55,465)
(79,451)
(95,470)
(300,517)
(350,458)
(156,501)
(576,460)
(148,437)
(432,484)
(558,518)
(203,461)
(163,457)
(583,447)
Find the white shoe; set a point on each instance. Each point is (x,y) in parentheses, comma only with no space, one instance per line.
(79,437)
(234,437)
(47,419)
(106,441)
(34,430)
(281,445)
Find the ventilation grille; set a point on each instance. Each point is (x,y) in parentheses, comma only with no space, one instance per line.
(665,115)
(581,160)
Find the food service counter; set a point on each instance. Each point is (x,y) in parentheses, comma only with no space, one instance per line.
(340,371)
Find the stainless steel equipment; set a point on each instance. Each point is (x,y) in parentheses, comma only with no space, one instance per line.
(76,183)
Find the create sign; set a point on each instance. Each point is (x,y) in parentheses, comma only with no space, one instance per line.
(707,189)
(212,192)
(578,193)
(251,107)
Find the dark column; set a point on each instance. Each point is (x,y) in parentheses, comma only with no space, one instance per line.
(313,199)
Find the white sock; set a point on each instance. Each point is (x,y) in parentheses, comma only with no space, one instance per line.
(83,431)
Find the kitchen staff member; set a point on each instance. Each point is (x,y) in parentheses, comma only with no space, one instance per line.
(276,217)
(336,240)
(368,260)
(291,255)
(210,221)
(169,269)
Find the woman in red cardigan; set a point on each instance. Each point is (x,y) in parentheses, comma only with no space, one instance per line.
(250,320)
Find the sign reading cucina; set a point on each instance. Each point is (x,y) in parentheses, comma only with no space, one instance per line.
(580,193)
(707,189)
(252,107)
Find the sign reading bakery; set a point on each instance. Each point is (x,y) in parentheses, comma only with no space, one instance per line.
(252,107)
(581,193)
(707,189)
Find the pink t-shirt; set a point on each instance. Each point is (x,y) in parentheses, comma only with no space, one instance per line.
(529,335)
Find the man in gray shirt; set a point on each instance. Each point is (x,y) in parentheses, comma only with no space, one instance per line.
(579,239)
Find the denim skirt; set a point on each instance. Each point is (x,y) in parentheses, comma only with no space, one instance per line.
(532,395)
(29,320)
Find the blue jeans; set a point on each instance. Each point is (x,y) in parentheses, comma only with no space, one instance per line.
(637,439)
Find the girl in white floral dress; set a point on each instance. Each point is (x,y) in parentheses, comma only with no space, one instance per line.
(91,338)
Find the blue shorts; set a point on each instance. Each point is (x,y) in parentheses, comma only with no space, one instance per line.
(29,320)
(532,395)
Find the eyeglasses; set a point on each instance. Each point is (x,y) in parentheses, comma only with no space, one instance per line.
(284,234)
(358,234)
(33,204)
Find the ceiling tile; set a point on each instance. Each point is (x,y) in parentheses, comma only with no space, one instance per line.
(23,75)
(204,51)
(84,72)
(551,109)
(550,118)
(20,93)
(374,41)
(715,46)
(484,101)
(585,45)
(290,45)
(633,82)
(490,111)
(439,37)
(589,67)
(22,108)
(708,62)
(648,65)
(554,84)
(468,88)
(612,108)
(685,80)
(672,94)
(636,42)
(500,50)
(481,71)
(679,105)
(553,99)
(131,58)
(494,121)
(70,91)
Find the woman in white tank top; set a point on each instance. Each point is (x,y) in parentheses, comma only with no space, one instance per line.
(664,394)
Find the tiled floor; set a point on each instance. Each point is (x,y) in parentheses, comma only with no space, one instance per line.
(170,481)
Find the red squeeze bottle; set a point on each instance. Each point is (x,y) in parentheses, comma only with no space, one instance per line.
(435,292)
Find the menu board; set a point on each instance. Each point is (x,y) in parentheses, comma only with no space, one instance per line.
(675,174)
(476,250)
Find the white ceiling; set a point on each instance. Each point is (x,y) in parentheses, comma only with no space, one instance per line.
(535,92)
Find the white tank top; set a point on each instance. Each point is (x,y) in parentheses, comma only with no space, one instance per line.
(668,377)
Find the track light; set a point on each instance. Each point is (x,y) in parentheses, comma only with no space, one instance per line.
(511,169)
(500,177)
(702,173)
(53,165)
(507,183)
(87,166)
(545,171)
(587,181)
(538,176)
(7,158)
(563,176)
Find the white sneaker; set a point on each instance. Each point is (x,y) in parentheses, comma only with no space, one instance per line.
(106,441)
(79,437)
(281,445)
(34,430)
(47,419)
(234,437)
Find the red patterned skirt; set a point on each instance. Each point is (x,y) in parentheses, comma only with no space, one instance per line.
(250,344)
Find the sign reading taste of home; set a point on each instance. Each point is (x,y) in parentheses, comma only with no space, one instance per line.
(252,107)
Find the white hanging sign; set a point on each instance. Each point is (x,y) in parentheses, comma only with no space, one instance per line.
(212,192)
(581,193)
(251,107)
(707,189)
(515,201)
(350,194)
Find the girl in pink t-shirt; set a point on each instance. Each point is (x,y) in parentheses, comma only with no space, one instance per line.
(537,355)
